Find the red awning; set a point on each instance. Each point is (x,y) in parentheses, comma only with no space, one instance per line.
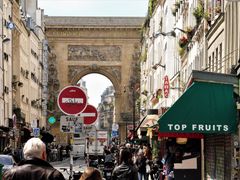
(181,135)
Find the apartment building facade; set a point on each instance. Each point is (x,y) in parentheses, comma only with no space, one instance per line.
(24,53)
(191,45)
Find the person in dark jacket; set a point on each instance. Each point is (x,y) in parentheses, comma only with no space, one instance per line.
(125,171)
(141,165)
(34,166)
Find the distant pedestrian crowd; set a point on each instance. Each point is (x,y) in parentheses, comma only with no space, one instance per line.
(135,162)
(57,152)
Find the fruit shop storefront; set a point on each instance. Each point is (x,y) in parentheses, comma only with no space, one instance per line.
(207,109)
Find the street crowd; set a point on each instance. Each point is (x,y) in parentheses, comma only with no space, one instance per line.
(54,152)
(136,162)
(126,162)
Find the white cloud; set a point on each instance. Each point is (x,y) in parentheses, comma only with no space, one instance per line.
(96,84)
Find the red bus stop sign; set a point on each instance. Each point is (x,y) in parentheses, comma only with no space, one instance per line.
(89,114)
(72,100)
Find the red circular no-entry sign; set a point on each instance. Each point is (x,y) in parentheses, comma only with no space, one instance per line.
(89,114)
(72,100)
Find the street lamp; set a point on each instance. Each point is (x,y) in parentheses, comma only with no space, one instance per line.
(4,38)
(17,83)
(180,30)
(34,102)
(155,66)
(171,33)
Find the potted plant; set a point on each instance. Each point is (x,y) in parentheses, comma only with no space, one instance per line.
(143,56)
(159,93)
(183,41)
(198,13)
(145,92)
(207,17)
(144,101)
(218,9)
(177,4)
(181,51)
(174,10)
(190,32)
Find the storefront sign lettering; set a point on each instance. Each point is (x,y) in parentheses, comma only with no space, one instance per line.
(198,127)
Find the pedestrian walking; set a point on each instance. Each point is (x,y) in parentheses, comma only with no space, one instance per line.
(34,166)
(91,173)
(141,165)
(148,155)
(125,171)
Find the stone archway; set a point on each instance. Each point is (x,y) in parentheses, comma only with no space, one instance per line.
(77,72)
(104,45)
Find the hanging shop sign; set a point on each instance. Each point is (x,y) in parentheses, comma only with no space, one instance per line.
(166,86)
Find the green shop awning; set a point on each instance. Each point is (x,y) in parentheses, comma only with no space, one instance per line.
(203,108)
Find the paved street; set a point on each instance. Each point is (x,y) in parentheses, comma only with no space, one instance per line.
(78,165)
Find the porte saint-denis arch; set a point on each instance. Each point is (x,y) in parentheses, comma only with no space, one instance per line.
(106,45)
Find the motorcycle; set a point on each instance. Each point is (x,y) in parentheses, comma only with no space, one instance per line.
(107,170)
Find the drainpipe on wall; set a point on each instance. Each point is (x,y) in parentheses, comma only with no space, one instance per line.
(2,70)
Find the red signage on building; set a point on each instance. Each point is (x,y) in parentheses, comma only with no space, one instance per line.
(72,100)
(89,114)
(166,86)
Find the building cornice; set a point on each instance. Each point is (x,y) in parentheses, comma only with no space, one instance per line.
(84,33)
(93,22)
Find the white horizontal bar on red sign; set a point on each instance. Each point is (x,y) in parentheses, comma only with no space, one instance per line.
(87,114)
(72,100)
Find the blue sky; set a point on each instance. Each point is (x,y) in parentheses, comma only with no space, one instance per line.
(94,7)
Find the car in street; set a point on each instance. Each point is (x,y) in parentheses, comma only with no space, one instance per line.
(7,161)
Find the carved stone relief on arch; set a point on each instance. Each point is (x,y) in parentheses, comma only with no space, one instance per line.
(53,82)
(94,53)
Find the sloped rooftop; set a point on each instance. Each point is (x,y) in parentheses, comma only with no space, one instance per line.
(94,21)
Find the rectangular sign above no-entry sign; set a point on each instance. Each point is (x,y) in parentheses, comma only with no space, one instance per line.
(71,124)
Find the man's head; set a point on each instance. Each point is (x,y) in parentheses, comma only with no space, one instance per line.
(34,148)
(125,155)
